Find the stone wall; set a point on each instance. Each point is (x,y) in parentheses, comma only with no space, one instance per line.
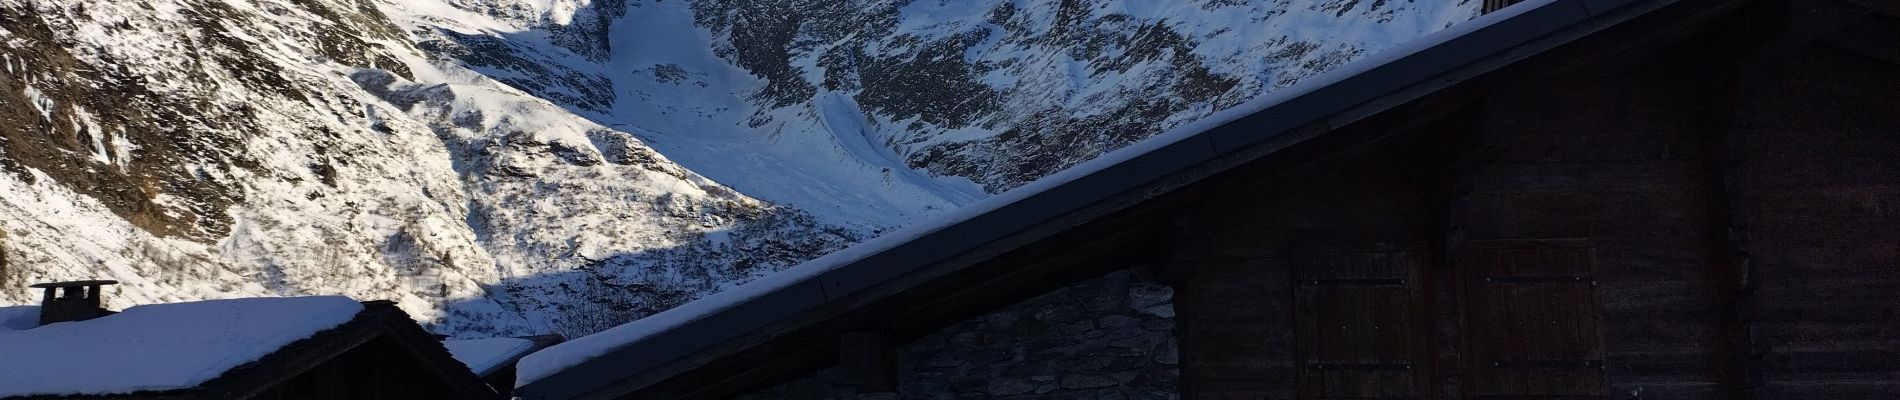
(1110,337)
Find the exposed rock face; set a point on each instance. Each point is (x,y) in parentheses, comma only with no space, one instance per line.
(200,149)
(996,92)
(1108,337)
(1004,92)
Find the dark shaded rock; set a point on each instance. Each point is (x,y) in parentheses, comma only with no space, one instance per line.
(1010,387)
(1048,347)
(1118,321)
(1137,342)
(1158,324)
(1087,381)
(1084,363)
(987,356)
(1168,353)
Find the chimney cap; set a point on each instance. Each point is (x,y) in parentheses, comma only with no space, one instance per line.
(68,284)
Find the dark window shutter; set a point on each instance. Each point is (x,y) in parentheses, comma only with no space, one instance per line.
(1494,5)
(1360,320)
(1535,325)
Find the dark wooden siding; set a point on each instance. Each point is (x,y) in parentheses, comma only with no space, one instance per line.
(1582,199)
(1613,155)
(502,380)
(1817,144)
(1359,320)
(1655,225)
(1352,227)
(1573,248)
(1533,318)
(1494,5)
(378,370)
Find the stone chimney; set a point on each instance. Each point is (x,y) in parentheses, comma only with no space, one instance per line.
(77,301)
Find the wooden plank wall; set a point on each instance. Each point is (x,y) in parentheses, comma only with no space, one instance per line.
(1236,310)
(379,370)
(1817,136)
(1613,156)
(1742,219)
(1616,155)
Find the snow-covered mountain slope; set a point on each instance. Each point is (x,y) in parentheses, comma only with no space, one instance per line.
(207,150)
(210,149)
(649,70)
(998,92)
(527,166)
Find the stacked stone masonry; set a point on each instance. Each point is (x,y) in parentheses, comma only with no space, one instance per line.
(1110,337)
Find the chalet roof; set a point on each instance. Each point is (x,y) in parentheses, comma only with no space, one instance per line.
(193,341)
(485,356)
(232,349)
(650,350)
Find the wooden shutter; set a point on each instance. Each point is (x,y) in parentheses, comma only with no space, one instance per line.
(1534,323)
(1494,5)
(1360,320)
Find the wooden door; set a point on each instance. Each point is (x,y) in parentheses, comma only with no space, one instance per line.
(1534,325)
(1360,321)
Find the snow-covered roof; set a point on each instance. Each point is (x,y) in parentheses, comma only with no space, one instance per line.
(484,355)
(17,318)
(157,347)
(1431,62)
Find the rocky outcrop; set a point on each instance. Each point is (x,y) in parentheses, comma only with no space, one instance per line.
(1005,92)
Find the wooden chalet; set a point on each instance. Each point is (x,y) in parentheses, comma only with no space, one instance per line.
(379,354)
(1565,199)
